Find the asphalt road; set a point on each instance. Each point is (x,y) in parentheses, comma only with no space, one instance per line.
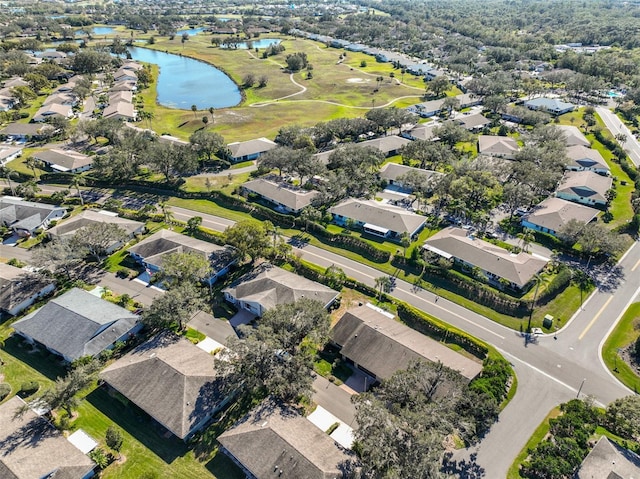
(615,126)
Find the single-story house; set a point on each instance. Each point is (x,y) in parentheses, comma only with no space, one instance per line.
(468,100)
(433,73)
(68,161)
(122,110)
(499,146)
(75,223)
(583,158)
(475,122)
(62,98)
(249,150)
(26,131)
(550,105)
(284,197)
(69,85)
(373,341)
(378,219)
(172,380)
(131,65)
(14,82)
(126,85)
(274,441)
(53,110)
(338,43)
(33,448)
(20,288)
(151,251)
(355,47)
(9,153)
(573,136)
(7,101)
(553,213)
(392,171)
(267,286)
(584,187)
(25,217)
(494,262)
(422,131)
(388,145)
(428,108)
(78,324)
(118,96)
(125,75)
(52,55)
(607,460)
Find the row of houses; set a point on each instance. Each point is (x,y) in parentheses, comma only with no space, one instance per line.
(120,104)
(60,103)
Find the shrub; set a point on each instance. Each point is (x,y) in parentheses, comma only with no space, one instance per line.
(100,457)
(5,390)
(28,388)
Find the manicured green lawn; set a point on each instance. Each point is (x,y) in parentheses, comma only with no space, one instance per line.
(625,333)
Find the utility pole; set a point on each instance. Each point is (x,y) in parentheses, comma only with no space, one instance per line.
(533,303)
(580,388)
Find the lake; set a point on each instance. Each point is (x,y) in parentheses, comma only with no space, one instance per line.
(258,43)
(184,81)
(97,31)
(190,31)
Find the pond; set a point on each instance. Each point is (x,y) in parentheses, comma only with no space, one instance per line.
(258,43)
(190,31)
(97,31)
(184,81)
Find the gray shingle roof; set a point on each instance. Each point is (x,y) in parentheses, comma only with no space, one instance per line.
(273,439)
(169,378)
(293,198)
(239,149)
(609,461)
(550,104)
(88,217)
(553,213)
(383,345)
(385,216)
(164,242)
(473,121)
(585,184)
(32,448)
(573,136)
(24,214)
(391,171)
(269,286)
(516,268)
(497,145)
(65,160)
(580,155)
(17,285)
(385,144)
(77,324)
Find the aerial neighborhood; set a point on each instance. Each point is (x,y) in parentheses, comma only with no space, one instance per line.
(356,240)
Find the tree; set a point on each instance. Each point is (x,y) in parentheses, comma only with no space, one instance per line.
(336,277)
(211,112)
(64,390)
(451,133)
(450,104)
(206,143)
(383,285)
(248,80)
(28,189)
(405,241)
(205,120)
(59,256)
(296,61)
(262,81)
(171,160)
(178,268)
(194,109)
(280,158)
(309,214)
(273,357)
(249,238)
(113,439)
(526,237)
(37,82)
(174,308)
(88,60)
(96,238)
(76,182)
(438,86)
(193,223)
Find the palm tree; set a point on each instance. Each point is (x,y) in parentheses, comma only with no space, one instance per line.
(194,109)
(166,212)
(526,237)
(383,284)
(8,173)
(76,183)
(405,241)
(32,163)
(211,110)
(582,279)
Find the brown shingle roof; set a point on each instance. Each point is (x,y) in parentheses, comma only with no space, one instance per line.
(585,184)
(497,145)
(239,149)
(392,218)
(293,198)
(554,213)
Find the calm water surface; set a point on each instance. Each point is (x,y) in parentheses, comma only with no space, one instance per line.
(184,81)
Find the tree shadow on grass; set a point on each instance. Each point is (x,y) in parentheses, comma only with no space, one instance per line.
(138,424)
(41,360)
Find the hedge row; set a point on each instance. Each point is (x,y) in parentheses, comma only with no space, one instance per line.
(620,156)
(557,285)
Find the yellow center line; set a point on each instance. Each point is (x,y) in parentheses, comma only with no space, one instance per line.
(635,266)
(595,318)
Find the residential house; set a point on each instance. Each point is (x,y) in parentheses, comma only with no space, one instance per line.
(607,460)
(125,74)
(433,73)
(554,213)
(378,219)
(7,100)
(120,96)
(392,171)
(499,146)
(284,197)
(151,252)
(26,131)
(9,153)
(69,85)
(53,110)
(14,82)
(585,187)
(274,441)
(268,286)
(78,324)
(67,161)
(74,224)
(249,150)
(467,100)
(52,55)
(388,145)
(376,343)
(131,65)
(573,136)
(126,85)
(495,263)
(355,47)
(582,158)
(172,380)
(422,131)
(33,448)
(121,110)
(68,99)
(25,217)
(476,122)
(20,288)
(428,108)
(550,105)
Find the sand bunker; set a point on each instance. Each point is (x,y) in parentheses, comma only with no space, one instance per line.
(356,80)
